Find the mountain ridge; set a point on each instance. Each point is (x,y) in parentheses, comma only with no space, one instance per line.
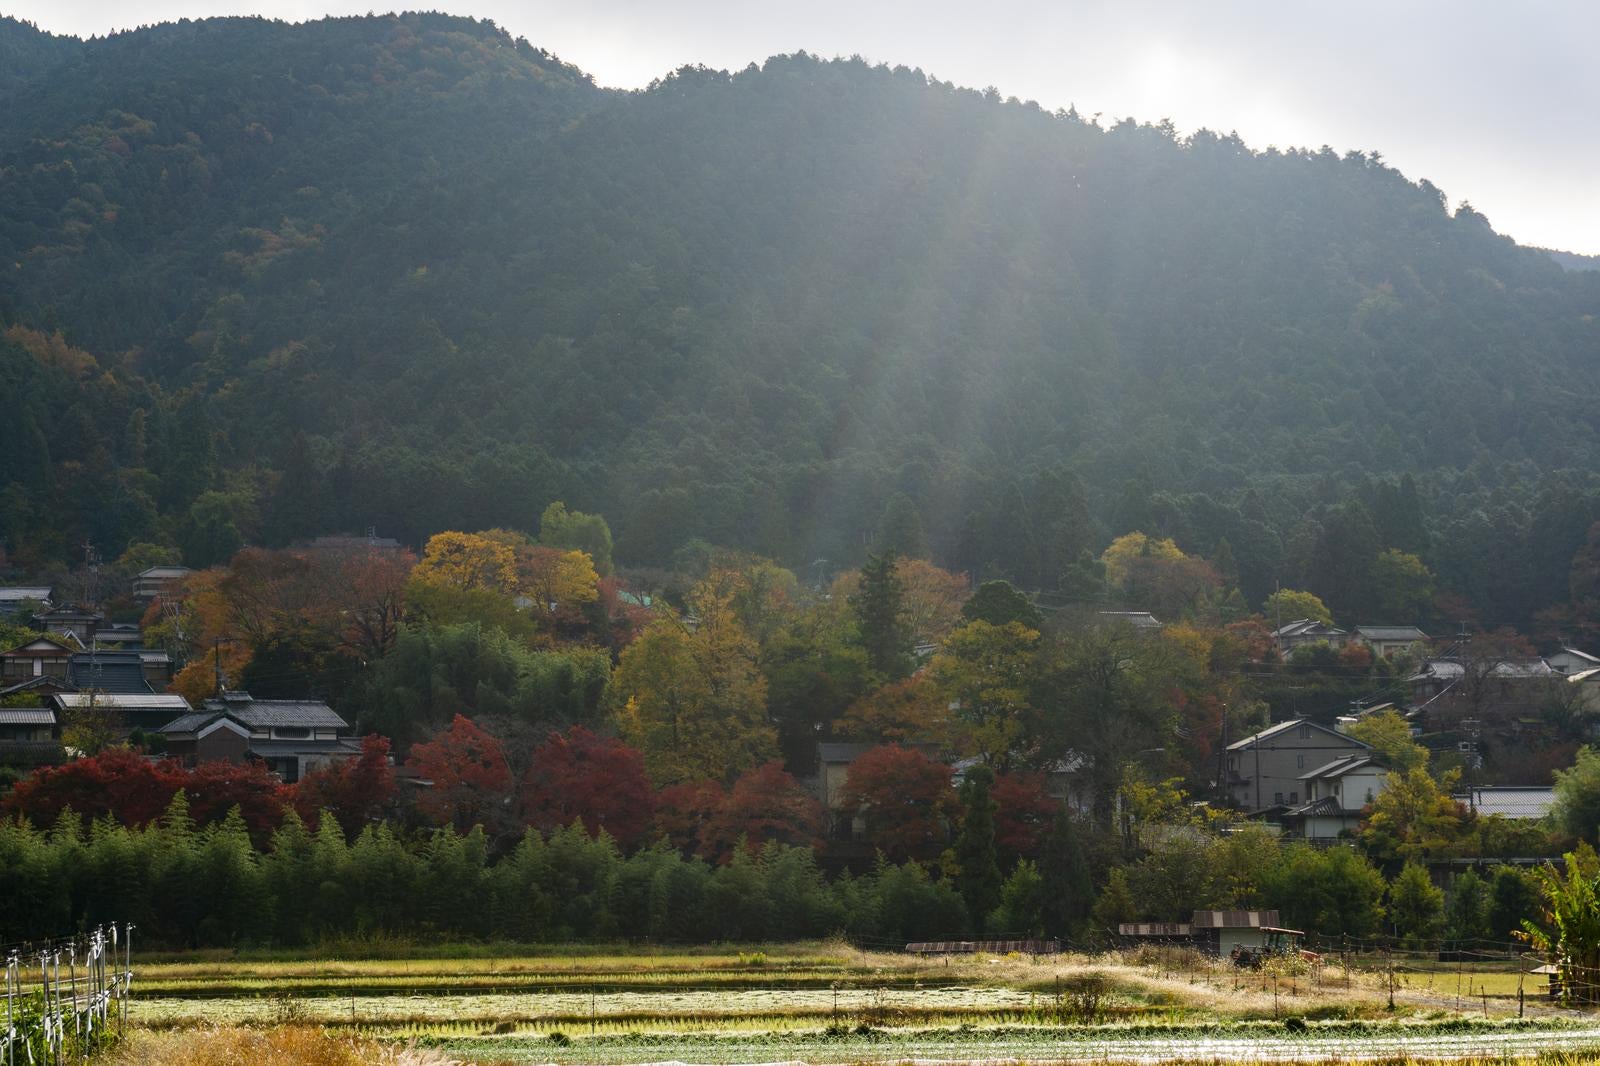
(754,306)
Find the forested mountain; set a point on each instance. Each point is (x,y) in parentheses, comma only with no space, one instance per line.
(260,281)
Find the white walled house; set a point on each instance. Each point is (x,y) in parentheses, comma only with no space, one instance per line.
(1336,794)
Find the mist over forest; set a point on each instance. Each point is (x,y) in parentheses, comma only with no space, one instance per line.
(262,281)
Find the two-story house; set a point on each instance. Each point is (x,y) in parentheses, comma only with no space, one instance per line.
(1335,795)
(1304,631)
(78,623)
(159,581)
(291,737)
(42,657)
(1268,769)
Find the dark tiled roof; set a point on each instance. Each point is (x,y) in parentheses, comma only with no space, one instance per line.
(1411,633)
(27,716)
(1338,767)
(268,748)
(1326,807)
(188,723)
(46,682)
(109,671)
(278,714)
(1278,730)
(837,752)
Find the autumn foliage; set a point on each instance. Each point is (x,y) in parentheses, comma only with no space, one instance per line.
(354,791)
(765,804)
(123,784)
(1025,812)
(600,781)
(906,799)
(118,782)
(468,772)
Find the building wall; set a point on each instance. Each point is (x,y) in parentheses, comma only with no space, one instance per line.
(1279,761)
(221,744)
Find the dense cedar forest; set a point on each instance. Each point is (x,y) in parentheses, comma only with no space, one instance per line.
(262,281)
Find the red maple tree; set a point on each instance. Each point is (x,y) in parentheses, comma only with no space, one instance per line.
(765,804)
(354,791)
(684,811)
(119,782)
(599,780)
(214,788)
(468,771)
(1024,813)
(905,798)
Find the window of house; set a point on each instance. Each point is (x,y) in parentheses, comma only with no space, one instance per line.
(1294,797)
(1305,732)
(1277,797)
(291,733)
(1300,762)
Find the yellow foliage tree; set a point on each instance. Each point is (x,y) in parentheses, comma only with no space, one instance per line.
(555,579)
(694,702)
(467,561)
(986,671)
(1118,558)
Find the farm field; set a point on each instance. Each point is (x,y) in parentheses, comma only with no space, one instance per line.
(829,1002)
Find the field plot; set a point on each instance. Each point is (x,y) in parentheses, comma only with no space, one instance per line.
(830,1003)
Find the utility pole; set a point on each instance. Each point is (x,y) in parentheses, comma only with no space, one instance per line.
(1222,761)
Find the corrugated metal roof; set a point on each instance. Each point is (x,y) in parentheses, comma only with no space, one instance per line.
(1411,633)
(25,592)
(1510,802)
(1234,919)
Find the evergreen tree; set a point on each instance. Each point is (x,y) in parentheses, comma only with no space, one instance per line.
(1068,891)
(901,529)
(880,614)
(975,851)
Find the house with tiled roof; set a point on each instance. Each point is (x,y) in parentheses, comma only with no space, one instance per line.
(79,623)
(1572,661)
(29,737)
(1335,794)
(159,581)
(16,599)
(44,656)
(1303,631)
(1386,641)
(291,737)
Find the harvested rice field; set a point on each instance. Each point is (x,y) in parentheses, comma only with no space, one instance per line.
(831,1003)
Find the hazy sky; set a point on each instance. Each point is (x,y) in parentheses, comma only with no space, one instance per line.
(1495,101)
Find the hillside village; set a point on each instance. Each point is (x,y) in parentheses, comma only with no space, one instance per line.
(499,684)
